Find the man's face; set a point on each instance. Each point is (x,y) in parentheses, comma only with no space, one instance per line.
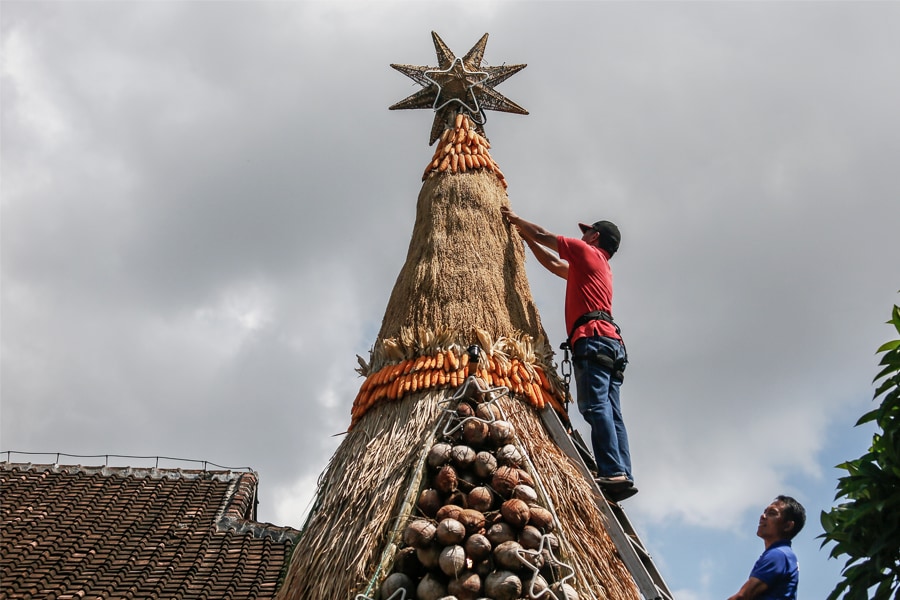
(590,236)
(772,523)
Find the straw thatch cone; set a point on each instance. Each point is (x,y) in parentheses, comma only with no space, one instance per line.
(463,270)
(463,283)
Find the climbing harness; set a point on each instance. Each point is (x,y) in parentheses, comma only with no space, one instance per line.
(609,363)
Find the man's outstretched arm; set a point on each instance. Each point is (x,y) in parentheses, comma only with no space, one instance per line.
(751,589)
(548,260)
(539,240)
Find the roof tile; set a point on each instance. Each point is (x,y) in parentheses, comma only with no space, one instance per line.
(74,532)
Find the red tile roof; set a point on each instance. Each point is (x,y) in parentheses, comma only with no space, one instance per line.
(120,532)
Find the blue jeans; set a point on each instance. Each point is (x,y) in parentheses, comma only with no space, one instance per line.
(598,403)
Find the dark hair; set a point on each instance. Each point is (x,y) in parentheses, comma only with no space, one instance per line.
(793,511)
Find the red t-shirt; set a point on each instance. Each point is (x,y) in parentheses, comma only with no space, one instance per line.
(589,287)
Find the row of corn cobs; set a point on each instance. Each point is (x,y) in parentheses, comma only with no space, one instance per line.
(447,369)
(462,149)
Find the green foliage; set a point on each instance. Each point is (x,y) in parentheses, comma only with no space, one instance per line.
(866,527)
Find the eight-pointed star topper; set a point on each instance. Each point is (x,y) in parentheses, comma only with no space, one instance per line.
(459,85)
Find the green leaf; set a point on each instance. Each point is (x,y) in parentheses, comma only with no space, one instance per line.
(888,346)
(895,318)
(891,358)
(885,385)
(866,418)
(884,589)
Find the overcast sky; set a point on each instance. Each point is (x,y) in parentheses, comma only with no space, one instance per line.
(205,206)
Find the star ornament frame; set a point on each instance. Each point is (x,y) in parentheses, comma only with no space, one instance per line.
(454,76)
(458,85)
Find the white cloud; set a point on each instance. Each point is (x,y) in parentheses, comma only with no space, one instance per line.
(243,309)
(293,502)
(32,94)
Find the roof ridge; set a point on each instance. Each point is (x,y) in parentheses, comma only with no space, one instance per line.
(151,472)
(106,458)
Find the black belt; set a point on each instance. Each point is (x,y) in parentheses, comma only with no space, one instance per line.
(594,315)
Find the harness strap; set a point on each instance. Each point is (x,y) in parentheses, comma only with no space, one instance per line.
(594,315)
(617,367)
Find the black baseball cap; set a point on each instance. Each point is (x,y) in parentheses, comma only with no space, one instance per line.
(609,234)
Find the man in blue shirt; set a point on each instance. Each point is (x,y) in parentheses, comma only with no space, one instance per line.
(775,575)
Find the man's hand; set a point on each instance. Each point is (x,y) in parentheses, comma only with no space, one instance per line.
(528,230)
(539,240)
(509,215)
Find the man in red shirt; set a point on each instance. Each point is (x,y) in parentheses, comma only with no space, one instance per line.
(597,349)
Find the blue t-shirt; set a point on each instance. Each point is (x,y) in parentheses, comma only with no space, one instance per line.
(777,568)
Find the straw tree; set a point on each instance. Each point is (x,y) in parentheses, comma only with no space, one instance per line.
(460,342)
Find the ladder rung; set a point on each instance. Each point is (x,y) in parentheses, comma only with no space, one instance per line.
(638,547)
